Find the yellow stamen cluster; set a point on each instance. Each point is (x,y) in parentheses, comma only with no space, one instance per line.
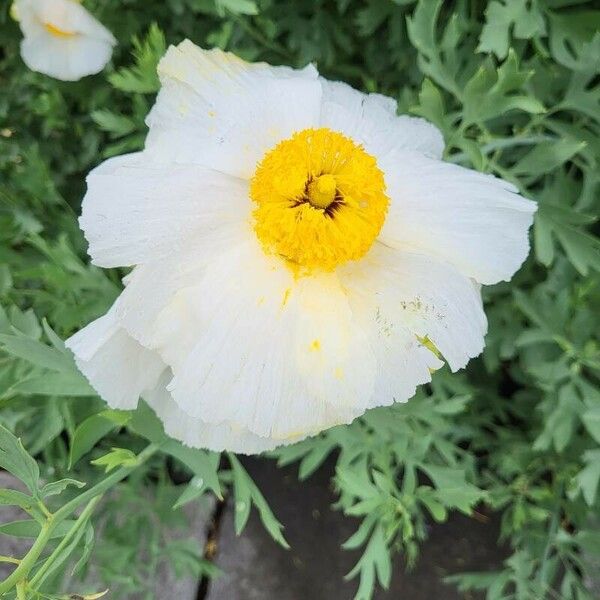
(320,200)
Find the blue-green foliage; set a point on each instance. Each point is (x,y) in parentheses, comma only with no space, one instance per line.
(514,87)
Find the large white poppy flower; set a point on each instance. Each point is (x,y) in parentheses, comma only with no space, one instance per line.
(62,39)
(300,253)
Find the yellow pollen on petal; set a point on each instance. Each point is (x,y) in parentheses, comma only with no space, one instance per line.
(320,200)
(315,345)
(57,32)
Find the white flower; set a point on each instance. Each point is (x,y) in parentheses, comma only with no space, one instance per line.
(62,39)
(300,253)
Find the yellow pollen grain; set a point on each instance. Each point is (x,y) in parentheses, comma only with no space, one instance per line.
(286,297)
(58,32)
(339,373)
(315,345)
(320,200)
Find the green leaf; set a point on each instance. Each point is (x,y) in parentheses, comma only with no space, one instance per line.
(37,353)
(582,249)
(574,39)
(314,459)
(88,546)
(422,31)
(560,423)
(237,7)
(492,93)
(117,457)
(522,17)
(193,490)
(453,491)
(591,420)
(547,156)
(202,463)
(360,536)
(431,105)
(142,78)
(55,384)
(57,487)
(245,494)
(92,430)
(15,459)
(23,501)
(144,422)
(453,406)
(46,427)
(116,125)
(437,509)
(375,561)
(6,281)
(588,478)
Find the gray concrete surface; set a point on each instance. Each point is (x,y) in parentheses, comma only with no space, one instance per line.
(256,569)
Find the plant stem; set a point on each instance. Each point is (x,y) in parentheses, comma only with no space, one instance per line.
(29,560)
(21,591)
(552,532)
(26,564)
(50,563)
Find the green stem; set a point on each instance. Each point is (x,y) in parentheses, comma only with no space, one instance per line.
(543,585)
(21,572)
(21,591)
(29,560)
(81,521)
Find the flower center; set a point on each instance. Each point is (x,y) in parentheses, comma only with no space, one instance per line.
(321,191)
(319,200)
(57,31)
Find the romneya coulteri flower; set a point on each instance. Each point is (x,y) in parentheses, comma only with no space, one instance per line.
(62,39)
(300,254)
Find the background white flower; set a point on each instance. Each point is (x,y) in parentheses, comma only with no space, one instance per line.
(62,39)
(245,328)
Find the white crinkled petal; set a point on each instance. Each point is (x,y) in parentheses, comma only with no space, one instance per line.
(142,300)
(121,370)
(69,57)
(371,120)
(217,110)
(116,366)
(417,294)
(196,433)
(250,345)
(474,221)
(136,211)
